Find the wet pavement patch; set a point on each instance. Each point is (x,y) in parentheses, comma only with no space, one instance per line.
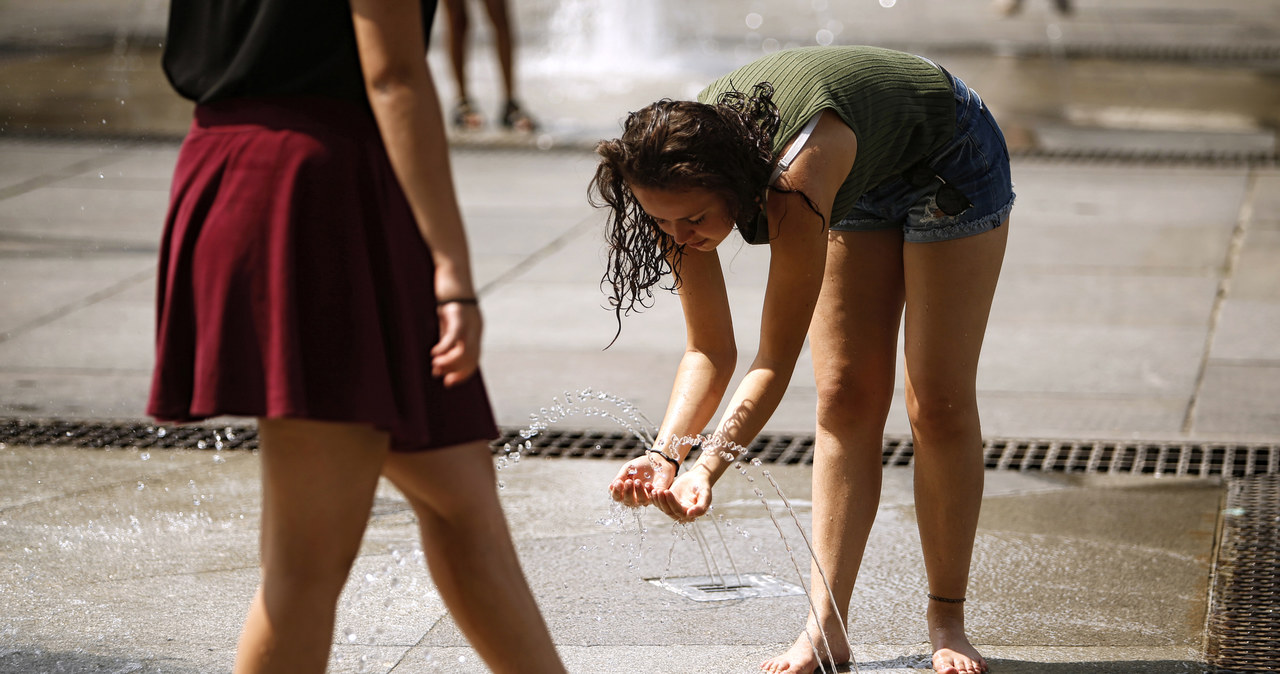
(1243,623)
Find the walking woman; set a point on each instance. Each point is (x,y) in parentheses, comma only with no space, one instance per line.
(315,274)
(881,185)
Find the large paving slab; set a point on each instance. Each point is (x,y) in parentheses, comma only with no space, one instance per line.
(1136,300)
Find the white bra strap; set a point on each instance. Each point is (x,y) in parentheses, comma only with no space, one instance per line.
(796,146)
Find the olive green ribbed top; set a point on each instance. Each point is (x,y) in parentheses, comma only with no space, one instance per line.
(900,107)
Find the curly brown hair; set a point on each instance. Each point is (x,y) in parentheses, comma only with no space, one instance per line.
(726,148)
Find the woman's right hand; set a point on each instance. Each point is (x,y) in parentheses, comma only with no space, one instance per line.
(639,478)
(457,355)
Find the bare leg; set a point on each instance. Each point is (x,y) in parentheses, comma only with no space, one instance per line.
(472,558)
(854,339)
(505,43)
(949,290)
(513,115)
(318,481)
(464,116)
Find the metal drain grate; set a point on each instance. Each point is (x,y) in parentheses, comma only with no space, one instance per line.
(1244,613)
(1194,459)
(69,433)
(1184,458)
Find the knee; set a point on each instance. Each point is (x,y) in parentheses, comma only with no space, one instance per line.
(845,399)
(314,574)
(941,414)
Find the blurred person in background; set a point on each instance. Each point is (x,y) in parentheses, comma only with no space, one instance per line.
(1011,7)
(465,116)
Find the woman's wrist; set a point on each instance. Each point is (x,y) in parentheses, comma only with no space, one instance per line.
(701,466)
(675,462)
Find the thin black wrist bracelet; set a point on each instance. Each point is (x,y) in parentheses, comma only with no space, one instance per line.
(459,300)
(663,454)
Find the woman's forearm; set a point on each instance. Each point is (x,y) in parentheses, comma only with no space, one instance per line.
(404,102)
(753,403)
(700,383)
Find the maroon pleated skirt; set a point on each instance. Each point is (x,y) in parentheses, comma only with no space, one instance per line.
(294,282)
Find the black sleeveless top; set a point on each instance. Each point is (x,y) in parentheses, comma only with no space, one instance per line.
(220,49)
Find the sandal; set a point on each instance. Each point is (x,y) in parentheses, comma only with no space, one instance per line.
(516,119)
(465,118)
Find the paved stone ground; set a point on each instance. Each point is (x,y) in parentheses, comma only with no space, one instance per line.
(1139,300)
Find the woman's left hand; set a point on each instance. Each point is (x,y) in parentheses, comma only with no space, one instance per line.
(688,498)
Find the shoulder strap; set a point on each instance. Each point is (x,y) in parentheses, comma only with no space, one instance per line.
(796,146)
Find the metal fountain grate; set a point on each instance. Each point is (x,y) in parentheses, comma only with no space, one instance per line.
(726,587)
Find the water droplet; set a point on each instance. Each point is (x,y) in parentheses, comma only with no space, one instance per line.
(145,456)
(141,486)
(161,432)
(754,21)
(888,3)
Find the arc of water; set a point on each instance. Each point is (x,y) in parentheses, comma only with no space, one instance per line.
(822,667)
(799,574)
(713,569)
(727,554)
(821,574)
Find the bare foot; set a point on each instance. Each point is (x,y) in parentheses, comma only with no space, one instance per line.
(802,659)
(952,652)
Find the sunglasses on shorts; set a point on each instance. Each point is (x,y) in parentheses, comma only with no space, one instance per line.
(950,200)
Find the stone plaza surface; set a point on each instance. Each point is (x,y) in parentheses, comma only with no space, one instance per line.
(1139,300)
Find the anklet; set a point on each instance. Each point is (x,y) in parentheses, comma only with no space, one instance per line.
(946,600)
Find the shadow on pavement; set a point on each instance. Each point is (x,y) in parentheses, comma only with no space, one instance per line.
(1107,667)
(30,659)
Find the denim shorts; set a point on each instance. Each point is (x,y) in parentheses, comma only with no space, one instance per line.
(975,161)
